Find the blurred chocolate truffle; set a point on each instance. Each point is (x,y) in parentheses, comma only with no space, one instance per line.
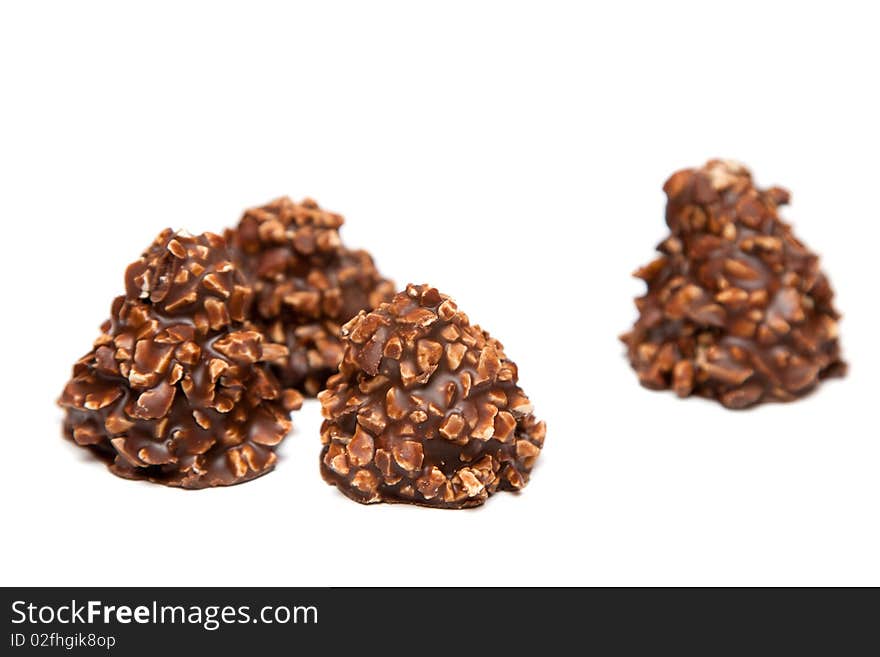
(177,389)
(425,409)
(307,285)
(737,308)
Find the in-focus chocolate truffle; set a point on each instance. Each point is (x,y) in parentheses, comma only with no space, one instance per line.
(425,409)
(307,285)
(737,308)
(176,390)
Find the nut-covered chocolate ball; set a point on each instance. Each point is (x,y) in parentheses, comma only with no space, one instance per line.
(177,389)
(737,308)
(307,285)
(425,409)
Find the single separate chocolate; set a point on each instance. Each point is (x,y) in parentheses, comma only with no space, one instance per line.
(307,285)
(737,308)
(177,390)
(425,409)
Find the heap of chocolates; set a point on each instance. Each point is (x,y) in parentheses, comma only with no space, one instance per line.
(425,408)
(177,389)
(737,308)
(216,340)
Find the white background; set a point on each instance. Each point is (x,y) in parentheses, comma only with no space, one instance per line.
(511,155)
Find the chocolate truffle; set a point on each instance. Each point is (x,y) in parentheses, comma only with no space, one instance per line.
(177,389)
(425,409)
(307,285)
(737,308)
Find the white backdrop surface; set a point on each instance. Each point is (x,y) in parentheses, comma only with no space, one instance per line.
(510,154)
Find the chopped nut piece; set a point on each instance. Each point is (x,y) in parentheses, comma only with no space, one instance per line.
(452,426)
(454,354)
(408,455)
(360,449)
(430,484)
(469,481)
(365,482)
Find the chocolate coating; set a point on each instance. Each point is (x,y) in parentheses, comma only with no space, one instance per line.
(176,389)
(307,285)
(737,308)
(425,409)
